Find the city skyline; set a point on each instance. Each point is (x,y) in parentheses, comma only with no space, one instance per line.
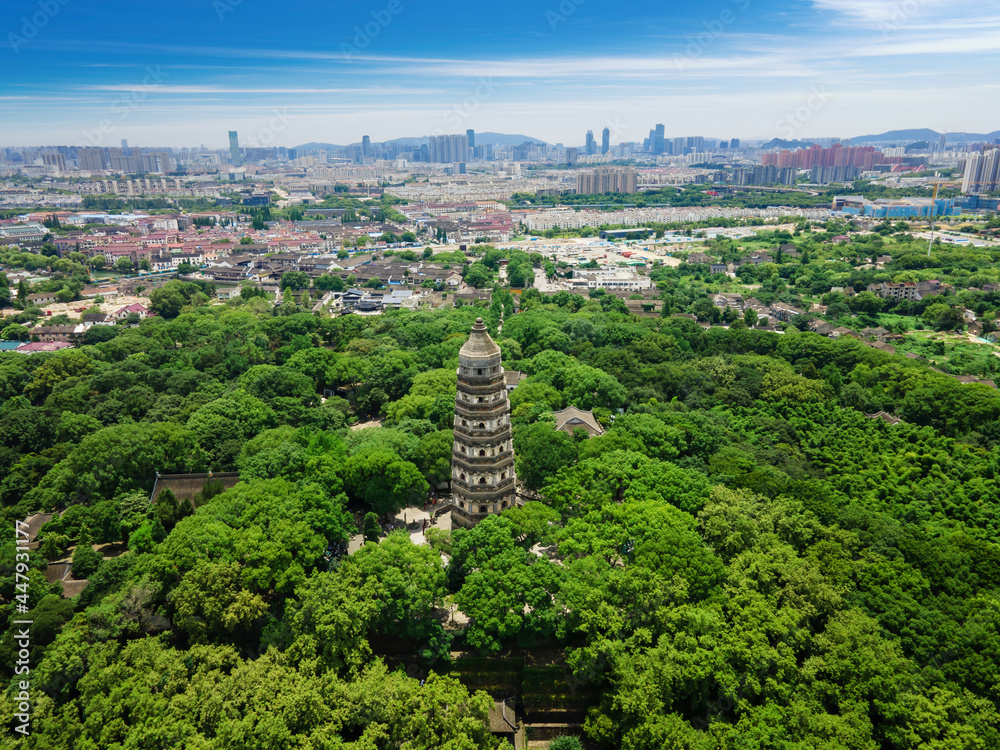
(809,69)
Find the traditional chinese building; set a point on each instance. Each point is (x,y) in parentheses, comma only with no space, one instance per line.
(482,467)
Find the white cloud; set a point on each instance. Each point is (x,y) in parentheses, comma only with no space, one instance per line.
(874,12)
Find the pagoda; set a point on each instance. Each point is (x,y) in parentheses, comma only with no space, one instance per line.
(482,467)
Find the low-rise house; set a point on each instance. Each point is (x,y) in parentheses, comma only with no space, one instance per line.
(124,312)
(41,347)
(68,333)
(732,301)
(845,331)
(43,298)
(511,379)
(784,312)
(97,319)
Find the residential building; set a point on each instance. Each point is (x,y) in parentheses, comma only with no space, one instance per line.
(982,172)
(607,180)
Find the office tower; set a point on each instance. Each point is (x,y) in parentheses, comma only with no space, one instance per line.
(657,141)
(366,147)
(942,143)
(591,147)
(723,145)
(125,147)
(606,141)
(734,144)
(572,154)
(482,468)
(234,149)
(472,142)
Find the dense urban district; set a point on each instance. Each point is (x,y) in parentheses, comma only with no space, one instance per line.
(408,464)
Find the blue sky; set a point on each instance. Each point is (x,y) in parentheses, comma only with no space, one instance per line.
(183,72)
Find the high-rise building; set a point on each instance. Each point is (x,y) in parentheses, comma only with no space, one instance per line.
(125,147)
(607,180)
(735,143)
(982,172)
(234,149)
(658,144)
(366,147)
(482,468)
(572,154)
(446,149)
(591,147)
(472,141)
(54,160)
(606,141)
(92,159)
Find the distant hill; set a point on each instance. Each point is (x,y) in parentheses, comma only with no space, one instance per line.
(782,143)
(318,147)
(493,139)
(923,134)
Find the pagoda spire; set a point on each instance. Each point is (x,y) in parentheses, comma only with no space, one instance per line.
(482,468)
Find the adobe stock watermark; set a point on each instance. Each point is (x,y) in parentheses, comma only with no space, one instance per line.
(791,121)
(31,25)
(562,12)
(457,114)
(615,127)
(280,119)
(365,35)
(224,7)
(899,15)
(123,106)
(714,28)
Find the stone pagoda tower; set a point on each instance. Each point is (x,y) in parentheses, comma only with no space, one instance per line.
(482,467)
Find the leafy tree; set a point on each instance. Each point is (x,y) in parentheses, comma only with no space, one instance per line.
(85,558)
(295,280)
(478,275)
(372,530)
(384,482)
(541,451)
(16,332)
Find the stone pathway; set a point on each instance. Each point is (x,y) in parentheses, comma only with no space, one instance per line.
(412,519)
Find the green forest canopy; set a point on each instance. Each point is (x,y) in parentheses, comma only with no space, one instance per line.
(743,559)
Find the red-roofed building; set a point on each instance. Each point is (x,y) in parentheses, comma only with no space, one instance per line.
(141,311)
